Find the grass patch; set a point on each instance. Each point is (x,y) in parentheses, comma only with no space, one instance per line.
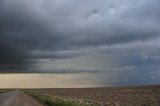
(48,100)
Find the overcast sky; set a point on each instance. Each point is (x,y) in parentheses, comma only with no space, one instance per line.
(120,37)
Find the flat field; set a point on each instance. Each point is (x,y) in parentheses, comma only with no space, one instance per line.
(109,96)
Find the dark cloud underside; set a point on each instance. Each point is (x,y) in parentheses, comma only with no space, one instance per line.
(68,33)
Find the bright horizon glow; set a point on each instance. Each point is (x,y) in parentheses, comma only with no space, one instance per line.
(45,81)
(78,80)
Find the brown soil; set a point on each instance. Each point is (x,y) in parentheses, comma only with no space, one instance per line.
(113,96)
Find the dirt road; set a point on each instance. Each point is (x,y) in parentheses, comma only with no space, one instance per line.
(17,98)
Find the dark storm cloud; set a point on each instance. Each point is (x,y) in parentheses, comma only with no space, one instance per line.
(22,29)
(34,30)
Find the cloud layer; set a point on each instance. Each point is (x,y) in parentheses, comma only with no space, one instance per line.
(119,37)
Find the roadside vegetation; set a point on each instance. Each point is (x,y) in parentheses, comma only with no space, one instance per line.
(4,90)
(48,100)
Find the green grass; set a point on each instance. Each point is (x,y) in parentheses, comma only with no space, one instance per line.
(48,100)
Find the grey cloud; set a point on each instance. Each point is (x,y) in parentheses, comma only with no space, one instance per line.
(34,30)
(139,10)
(71,70)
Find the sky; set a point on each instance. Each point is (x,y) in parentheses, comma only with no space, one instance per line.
(116,40)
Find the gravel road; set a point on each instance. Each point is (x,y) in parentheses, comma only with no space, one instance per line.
(17,98)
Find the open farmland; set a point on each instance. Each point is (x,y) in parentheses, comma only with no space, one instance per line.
(111,96)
